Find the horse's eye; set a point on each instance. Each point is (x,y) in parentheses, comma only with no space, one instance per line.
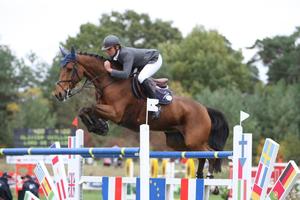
(68,68)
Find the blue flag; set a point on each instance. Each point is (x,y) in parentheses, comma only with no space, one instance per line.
(157,189)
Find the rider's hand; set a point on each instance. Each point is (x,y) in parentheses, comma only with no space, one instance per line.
(107,66)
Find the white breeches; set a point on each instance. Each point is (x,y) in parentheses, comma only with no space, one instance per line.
(150,69)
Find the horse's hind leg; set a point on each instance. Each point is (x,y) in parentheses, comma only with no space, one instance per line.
(211,168)
(92,122)
(201,162)
(175,140)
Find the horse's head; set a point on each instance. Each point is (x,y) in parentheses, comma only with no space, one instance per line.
(70,74)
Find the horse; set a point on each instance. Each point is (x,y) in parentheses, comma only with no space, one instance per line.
(187,124)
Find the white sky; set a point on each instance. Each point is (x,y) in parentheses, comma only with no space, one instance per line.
(39,25)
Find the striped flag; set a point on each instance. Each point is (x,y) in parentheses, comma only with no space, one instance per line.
(285,182)
(71,144)
(112,188)
(45,181)
(264,170)
(60,178)
(192,189)
(30,196)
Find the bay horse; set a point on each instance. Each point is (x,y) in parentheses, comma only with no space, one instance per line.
(187,124)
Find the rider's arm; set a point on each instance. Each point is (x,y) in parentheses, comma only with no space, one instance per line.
(127,67)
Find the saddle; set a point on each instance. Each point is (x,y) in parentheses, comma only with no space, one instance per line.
(162,91)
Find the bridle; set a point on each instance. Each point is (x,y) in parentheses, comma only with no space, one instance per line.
(71,92)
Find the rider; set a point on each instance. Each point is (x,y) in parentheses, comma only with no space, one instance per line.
(148,61)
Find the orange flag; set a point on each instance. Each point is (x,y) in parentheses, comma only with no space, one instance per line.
(75,122)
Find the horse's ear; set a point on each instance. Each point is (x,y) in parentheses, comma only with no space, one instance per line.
(63,51)
(73,50)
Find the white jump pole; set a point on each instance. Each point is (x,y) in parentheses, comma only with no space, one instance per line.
(75,163)
(144,162)
(242,161)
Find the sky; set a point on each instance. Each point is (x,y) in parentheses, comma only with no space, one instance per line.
(40,25)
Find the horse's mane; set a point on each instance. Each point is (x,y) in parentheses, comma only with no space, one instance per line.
(92,55)
(100,58)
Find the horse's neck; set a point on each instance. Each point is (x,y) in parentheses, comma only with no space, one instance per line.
(94,70)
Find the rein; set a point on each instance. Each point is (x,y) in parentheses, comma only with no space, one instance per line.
(72,92)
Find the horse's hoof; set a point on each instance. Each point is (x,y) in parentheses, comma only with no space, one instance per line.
(100,127)
(97,131)
(85,110)
(200,176)
(216,191)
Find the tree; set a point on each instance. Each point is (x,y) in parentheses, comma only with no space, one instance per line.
(134,29)
(33,111)
(14,76)
(206,59)
(281,55)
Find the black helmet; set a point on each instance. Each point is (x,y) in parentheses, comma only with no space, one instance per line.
(109,41)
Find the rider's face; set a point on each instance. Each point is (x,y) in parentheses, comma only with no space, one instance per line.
(111,51)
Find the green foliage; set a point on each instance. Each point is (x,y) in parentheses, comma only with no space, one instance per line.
(205,59)
(277,109)
(290,147)
(134,29)
(22,104)
(8,89)
(281,55)
(230,102)
(34,111)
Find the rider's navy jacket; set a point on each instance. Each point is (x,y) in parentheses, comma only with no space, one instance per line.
(132,58)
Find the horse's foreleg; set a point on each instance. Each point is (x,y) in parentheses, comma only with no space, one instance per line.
(92,122)
(107,112)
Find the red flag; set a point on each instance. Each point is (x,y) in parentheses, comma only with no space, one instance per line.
(75,122)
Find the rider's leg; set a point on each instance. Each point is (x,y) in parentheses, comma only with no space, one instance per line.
(149,69)
(145,73)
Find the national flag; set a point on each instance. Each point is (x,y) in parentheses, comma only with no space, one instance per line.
(285,182)
(71,184)
(60,178)
(192,189)
(157,188)
(75,122)
(265,168)
(112,188)
(45,181)
(151,105)
(30,196)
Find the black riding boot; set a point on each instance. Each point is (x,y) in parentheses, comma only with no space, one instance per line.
(150,92)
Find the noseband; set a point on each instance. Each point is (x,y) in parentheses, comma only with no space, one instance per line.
(71,92)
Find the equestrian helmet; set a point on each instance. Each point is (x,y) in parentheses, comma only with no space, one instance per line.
(109,41)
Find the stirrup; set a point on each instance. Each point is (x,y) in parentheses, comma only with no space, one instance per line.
(156,115)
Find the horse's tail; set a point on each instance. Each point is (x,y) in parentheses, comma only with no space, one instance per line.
(218,135)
